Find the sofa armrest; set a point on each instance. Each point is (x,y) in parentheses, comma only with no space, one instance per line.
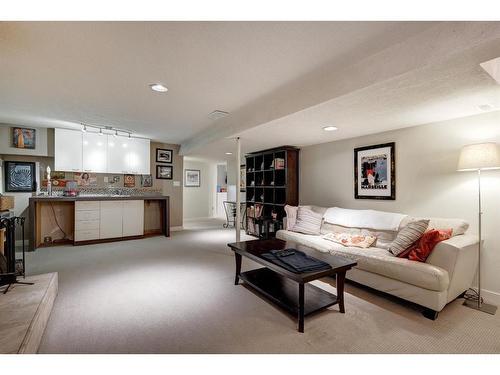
(459,256)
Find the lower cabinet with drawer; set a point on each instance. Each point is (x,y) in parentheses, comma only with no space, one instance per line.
(87,219)
(104,220)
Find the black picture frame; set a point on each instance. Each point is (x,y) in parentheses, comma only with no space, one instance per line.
(20,176)
(191,184)
(390,190)
(160,175)
(167,158)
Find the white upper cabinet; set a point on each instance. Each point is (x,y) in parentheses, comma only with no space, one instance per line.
(128,155)
(138,156)
(91,152)
(68,150)
(95,156)
(117,154)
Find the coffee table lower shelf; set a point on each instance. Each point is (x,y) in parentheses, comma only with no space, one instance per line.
(285,292)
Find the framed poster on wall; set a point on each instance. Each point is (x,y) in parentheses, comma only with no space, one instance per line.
(375,172)
(20,176)
(192,177)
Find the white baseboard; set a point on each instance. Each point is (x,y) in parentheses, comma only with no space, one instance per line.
(19,243)
(491,297)
(176,229)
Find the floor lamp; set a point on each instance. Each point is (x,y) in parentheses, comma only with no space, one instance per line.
(479,157)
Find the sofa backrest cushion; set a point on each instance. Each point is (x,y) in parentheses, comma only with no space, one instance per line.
(372,219)
(458,226)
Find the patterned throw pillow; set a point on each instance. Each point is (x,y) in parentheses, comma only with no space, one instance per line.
(308,221)
(408,235)
(349,239)
(421,249)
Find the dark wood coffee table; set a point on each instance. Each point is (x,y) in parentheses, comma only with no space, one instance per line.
(280,285)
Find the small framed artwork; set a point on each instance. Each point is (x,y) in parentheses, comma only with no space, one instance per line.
(146,180)
(192,177)
(375,172)
(163,155)
(129,180)
(20,176)
(24,138)
(164,172)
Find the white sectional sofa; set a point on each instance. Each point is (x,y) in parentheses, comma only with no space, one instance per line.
(448,272)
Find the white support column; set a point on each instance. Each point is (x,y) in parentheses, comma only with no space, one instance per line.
(238,184)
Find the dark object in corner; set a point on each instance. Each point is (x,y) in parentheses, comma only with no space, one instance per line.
(430,314)
(9,277)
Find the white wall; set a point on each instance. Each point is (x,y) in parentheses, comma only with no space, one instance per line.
(199,202)
(44,145)
(427,183)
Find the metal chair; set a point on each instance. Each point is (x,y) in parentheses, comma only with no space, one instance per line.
(230,209)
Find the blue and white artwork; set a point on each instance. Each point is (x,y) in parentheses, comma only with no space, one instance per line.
(19,176)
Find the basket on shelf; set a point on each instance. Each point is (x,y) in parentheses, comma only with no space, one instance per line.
(6,202)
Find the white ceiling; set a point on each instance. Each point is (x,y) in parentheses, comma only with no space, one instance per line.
(450,90)
(64,73)
(281,81)
(450,87)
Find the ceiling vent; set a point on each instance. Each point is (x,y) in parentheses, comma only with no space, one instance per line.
(215,115)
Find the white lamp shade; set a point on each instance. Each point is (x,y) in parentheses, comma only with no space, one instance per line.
(479,156)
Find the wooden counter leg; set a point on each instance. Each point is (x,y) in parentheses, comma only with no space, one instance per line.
(32,226)
(166,217)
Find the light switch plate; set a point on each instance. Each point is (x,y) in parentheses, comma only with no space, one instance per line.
(177,183)
(106,179)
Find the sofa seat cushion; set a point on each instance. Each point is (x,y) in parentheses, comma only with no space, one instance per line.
(376,260)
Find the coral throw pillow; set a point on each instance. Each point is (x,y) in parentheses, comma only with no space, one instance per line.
(353,240)
(422,248)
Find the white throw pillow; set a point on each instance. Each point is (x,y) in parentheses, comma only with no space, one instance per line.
(308,221)
(291,216)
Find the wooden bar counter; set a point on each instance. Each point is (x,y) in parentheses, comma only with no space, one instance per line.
(87,219)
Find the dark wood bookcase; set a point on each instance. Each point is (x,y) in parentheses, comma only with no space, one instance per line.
(272,181)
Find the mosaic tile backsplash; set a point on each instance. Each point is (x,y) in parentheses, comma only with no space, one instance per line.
(106,191)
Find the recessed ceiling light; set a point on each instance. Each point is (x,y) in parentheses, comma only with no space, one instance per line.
(485,107)
(229,153)
(158,87)
(330,128)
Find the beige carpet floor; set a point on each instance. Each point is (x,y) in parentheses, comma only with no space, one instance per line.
(176,295)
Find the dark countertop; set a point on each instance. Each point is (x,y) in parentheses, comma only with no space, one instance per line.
(151,197)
